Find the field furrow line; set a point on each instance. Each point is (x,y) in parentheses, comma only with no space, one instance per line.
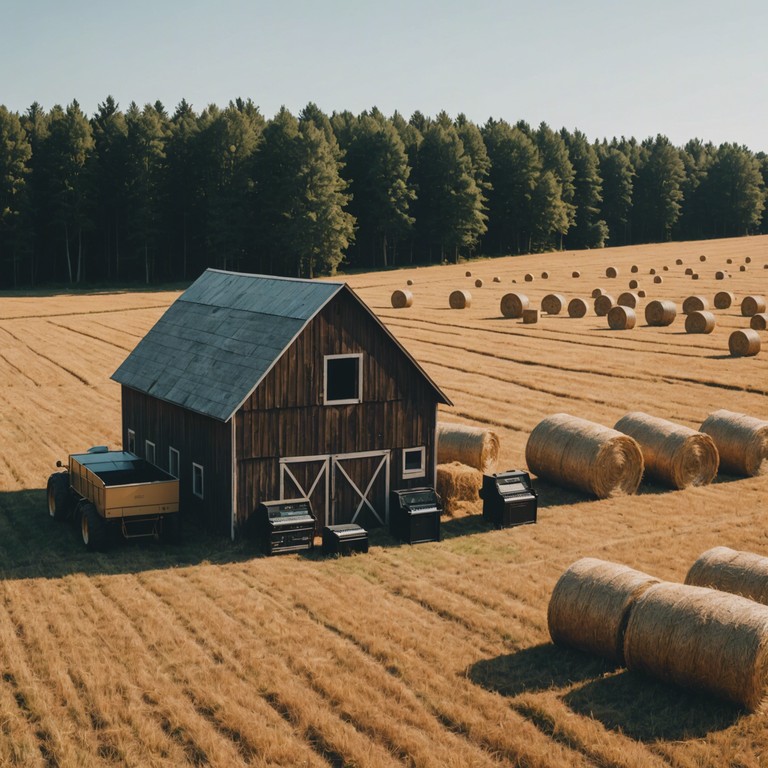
(100,339)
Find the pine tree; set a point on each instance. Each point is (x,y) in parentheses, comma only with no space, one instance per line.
(617,174)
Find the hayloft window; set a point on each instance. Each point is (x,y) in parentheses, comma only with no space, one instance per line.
(414,464)
(343,379)
(173,462)
(197,479)
(149,451)
(131,441)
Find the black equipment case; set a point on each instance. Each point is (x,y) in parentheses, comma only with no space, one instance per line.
(285,526)
(509,499)
(344,539)
(414,515)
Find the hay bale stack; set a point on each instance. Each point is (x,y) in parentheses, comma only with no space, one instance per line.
(724,299)
(634,269)
(675,455)
(702,639)
(513,304)
(575,273)
(632,284)
(660,312)
(577,453)
(611,272)
(577,308)
(460,299)
(474,446)
(658,279)
(759,322)
(456,483)
(700,322)
(603,304)
(597,292)
(621,318)
(528,278)
(530,316)
(728,570)
(590,606)
(752,305)
(401,299)
(478,283)
(553,303)
(744,343)
(741,440)
(628,299)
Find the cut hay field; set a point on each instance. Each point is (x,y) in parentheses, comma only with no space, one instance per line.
(438,654)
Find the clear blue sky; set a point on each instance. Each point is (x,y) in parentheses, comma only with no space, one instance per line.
(684,68)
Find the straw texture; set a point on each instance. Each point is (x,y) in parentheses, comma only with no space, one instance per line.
(577,453)
(660,312)
(473,446)
(751,305)
(513,304)
(577,308)
(744,343)
(456,483)
(700,322)
(724,299)
(741,440)
(401,299)
(621,318)
(460,299)
(553,303)
(728,570)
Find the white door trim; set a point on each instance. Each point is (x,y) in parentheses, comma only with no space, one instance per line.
(364,500)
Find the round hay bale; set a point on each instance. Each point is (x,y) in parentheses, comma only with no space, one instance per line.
(752,305)
(700,322)
(741,440)
(665,268)
(528,278)
(409,282)
(460,299)
(720,275)
(621,318)
(530,316)
(634,269)
(474,446)
(513,304)
(702,257)
(688,271)
(703,639)
(401,299)
(467,274)
(743,268)
(660,312)
(577,453)
(478,283)
(577,308)
(695,276)
(597,292)
(724,299)
(496,279)
(747,259)
(651,271)
(728,570)
(628,299)
(658,279)
(641,294)
(759,322)
(744,343)
(553,303)
(457,483)
(765,266)
(603,304)
(695,304)
(545,275)
(590,605)
(611,272)
(575,273)
(632,285)
(679,262)
(675,455)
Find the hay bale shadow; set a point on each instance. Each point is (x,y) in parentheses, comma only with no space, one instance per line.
(648,710)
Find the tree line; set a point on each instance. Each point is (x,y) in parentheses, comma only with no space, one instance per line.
(144,195)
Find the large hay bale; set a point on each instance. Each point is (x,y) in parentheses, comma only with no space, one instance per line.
(460,299)
(628,299)
(513,304)
(611,272)
(660,312)
(597,292)
(590,605)
(695,304)
(740,573)
(577,453)
(456,483)
(702,639)
(759,322)
(603,304)
(474,446)
(621,318)
(401,299)
(700,322)
(530,316)
(744,343)
(675,455)
(553,303)
(752,305)
(741,440)
(577,308)
(724,299)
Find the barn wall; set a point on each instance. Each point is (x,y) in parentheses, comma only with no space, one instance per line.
(198,439)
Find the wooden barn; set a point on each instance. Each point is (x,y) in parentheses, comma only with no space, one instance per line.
(253,388)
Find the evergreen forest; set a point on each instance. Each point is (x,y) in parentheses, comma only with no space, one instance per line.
(142,195)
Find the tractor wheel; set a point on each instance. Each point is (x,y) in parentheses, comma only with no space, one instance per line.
(170,532)
(93,528)
(59,498)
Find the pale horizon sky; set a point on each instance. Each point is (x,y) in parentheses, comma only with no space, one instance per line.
(683,68)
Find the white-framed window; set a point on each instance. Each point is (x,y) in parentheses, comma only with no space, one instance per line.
(149,451)
(414,462)
(173,462)
(131,448)
(343,379)
(198,479)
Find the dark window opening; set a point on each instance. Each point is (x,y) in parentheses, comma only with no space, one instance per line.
(342,379)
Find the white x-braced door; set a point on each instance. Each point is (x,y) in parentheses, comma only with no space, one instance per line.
(360,488)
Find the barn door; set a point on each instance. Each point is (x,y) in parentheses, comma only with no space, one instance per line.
(307,477)
(360,488)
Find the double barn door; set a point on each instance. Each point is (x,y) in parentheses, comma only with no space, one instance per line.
(343,488)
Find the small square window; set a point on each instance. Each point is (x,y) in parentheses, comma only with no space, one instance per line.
(197,480)
(149,451)
(173,462)
(343,379)
(131,448)
(414,461)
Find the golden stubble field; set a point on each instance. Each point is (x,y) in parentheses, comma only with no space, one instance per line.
(431,655)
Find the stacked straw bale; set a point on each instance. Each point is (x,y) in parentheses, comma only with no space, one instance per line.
(752,305)
(700,322)
(695,304)
(621,318)
(724,299)
(473,446)
(577,453)
(660,312)
(675,455)
(460,299)
(603,304)
(577,308)
(611,272)
(590,606)
(741,440)
(628,299)
(513,304)
(553,303)
(530,316)
(744,343)
(401,299)
(728,570)
(456,483)
(702,639)
(759,322)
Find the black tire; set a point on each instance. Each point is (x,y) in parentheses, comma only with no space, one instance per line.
(170,531)
(59,497)
(94,528)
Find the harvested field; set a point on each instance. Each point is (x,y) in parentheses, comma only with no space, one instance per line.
(438,654)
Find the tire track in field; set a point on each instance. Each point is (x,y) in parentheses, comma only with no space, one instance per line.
(80,314)
(90,336)
(18,370)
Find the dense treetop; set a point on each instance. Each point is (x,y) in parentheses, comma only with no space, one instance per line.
(145,195)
